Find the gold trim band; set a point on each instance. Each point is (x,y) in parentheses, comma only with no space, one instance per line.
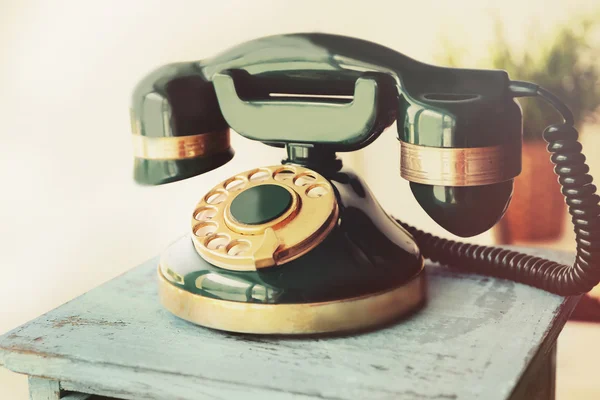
(472,166)
(351,314)
(180,147)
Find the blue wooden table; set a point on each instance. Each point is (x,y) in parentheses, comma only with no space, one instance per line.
(477,338)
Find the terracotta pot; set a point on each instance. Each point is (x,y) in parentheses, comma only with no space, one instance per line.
(537,210)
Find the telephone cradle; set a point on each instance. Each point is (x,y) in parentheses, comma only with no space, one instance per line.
(304,247)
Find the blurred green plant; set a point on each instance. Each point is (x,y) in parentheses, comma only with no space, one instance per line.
(567,63)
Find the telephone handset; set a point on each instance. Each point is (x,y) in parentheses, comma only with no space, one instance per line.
(304,247)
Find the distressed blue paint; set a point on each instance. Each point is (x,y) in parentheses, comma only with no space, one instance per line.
(473,340)
(43,389)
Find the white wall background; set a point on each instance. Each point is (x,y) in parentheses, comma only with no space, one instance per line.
(70,215)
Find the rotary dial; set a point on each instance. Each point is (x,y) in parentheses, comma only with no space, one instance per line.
(264,217)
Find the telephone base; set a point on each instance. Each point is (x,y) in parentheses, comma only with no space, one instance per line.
(366,272)
(344,314)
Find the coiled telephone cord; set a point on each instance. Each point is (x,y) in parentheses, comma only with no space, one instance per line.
(583,203)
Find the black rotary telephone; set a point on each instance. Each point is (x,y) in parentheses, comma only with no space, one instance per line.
(304,247)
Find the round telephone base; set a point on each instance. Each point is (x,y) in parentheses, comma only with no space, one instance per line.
(337,316)
(346,313)
(363,271)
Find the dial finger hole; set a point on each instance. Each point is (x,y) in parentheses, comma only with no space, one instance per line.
(305,179)
(238,248)
(216,197)
(205,229)
(205,213)
(316,191)
(260,175)
(217,242)
(235,184)
(284,174)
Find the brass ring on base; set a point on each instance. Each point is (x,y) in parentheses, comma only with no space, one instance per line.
(343,315)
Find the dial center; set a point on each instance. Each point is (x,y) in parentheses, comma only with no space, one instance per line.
(260,204)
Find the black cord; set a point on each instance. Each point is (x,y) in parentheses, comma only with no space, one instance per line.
(584,208)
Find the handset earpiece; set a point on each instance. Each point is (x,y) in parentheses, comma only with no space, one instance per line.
(461,150)
(178,129)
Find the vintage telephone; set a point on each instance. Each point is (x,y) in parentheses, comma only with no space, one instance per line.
(304,247)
